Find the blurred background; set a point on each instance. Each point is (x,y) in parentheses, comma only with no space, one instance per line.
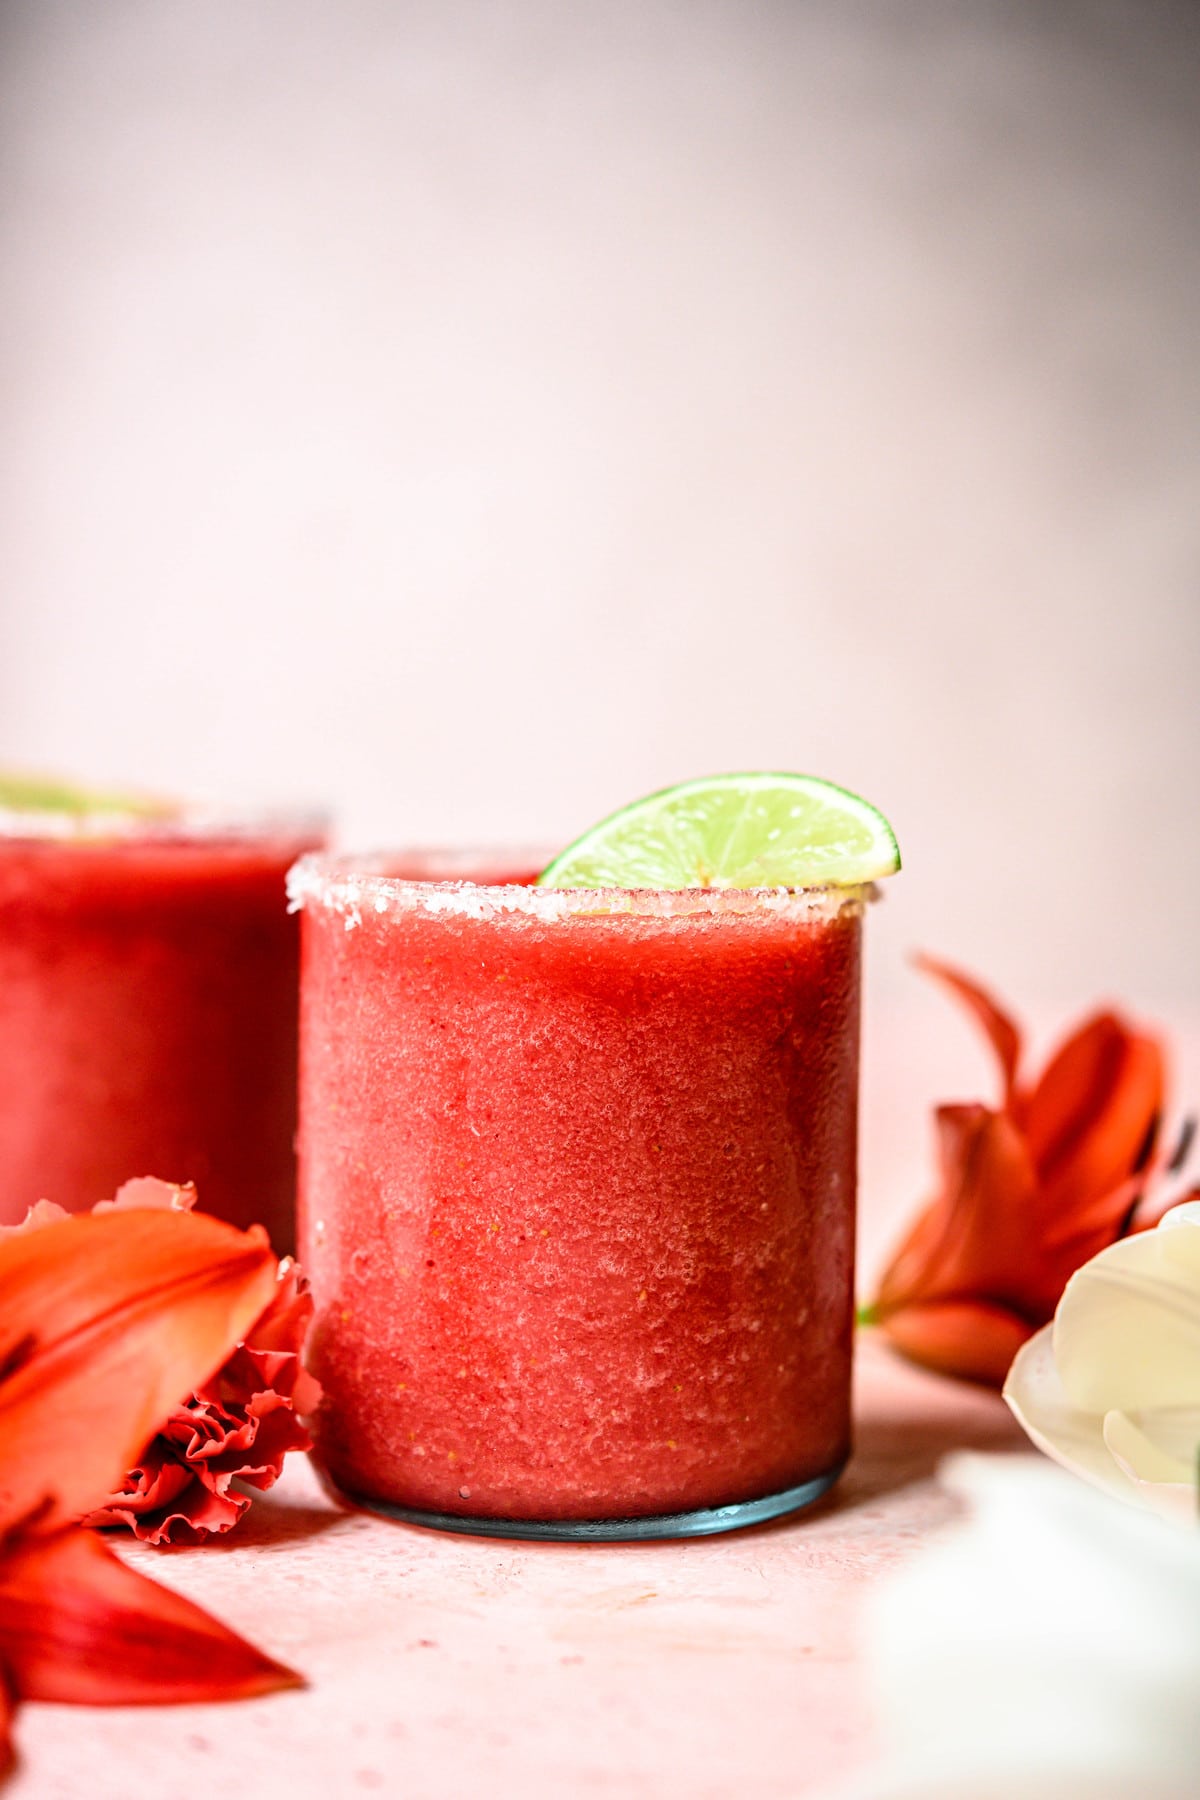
(472,416)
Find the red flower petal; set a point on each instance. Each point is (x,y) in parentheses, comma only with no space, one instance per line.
(975,1236)
(8,1712)
(971,1338)
(270,1357)
(1027,1194)
(165,1500)
(283,1327)
(77,1625)
(147,1192)
(176,1506)
(41,1213)
(1093,1118)
(105,1323)
(1000,1030)
(283,1324)
(182,1490)
(238,1427)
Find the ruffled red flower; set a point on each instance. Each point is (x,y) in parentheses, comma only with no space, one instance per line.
(237,1428)
(104,1322)
(1027,1192)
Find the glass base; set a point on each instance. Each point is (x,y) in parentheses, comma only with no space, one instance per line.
(702,1523)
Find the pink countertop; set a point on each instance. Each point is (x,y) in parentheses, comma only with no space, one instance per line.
(725,1668)
(720,1669)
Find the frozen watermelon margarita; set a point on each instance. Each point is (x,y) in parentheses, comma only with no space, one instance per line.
(148,994)
(577,1176)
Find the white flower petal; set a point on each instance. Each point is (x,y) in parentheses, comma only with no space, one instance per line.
(1112,1389)
(1158,1452)
(1186,1214)
(1127,1329)
(1074,1438)
(1174,1431)
(1137,1455)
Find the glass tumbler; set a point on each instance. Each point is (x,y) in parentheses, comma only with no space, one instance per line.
(577,1190)
(149,975)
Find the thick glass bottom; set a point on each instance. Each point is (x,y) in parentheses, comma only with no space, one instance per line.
(702,1523)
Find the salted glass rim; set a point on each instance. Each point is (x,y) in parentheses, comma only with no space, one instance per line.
(358,886)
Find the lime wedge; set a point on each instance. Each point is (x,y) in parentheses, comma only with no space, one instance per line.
(734,831)
(46,794)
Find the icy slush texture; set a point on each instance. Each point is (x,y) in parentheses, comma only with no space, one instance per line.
(577,1198)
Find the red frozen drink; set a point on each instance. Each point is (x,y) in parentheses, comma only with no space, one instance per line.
(148,995)
(577,1185)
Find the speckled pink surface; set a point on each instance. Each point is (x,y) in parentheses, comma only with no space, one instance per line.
(721,1669)
(439,1667)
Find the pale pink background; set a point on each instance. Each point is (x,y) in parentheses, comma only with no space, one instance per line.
(474,415)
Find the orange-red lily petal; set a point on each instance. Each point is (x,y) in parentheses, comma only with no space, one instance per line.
(232,1433)
(973,1339)
(1092,1120)
(1027,1191)
(234,1430)
(105,1323)
(998,1026)
(78,1625)
(973,1236)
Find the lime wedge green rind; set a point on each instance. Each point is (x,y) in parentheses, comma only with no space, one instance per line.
(734,831)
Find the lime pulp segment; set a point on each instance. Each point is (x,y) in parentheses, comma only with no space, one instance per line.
(739,831)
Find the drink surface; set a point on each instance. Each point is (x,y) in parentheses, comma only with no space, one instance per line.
(577,1200)
(147,1020)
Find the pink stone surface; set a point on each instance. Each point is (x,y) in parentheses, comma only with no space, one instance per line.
(720,1669)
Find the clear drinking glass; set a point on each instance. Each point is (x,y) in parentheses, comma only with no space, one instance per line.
(148,990)
(577,1189)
